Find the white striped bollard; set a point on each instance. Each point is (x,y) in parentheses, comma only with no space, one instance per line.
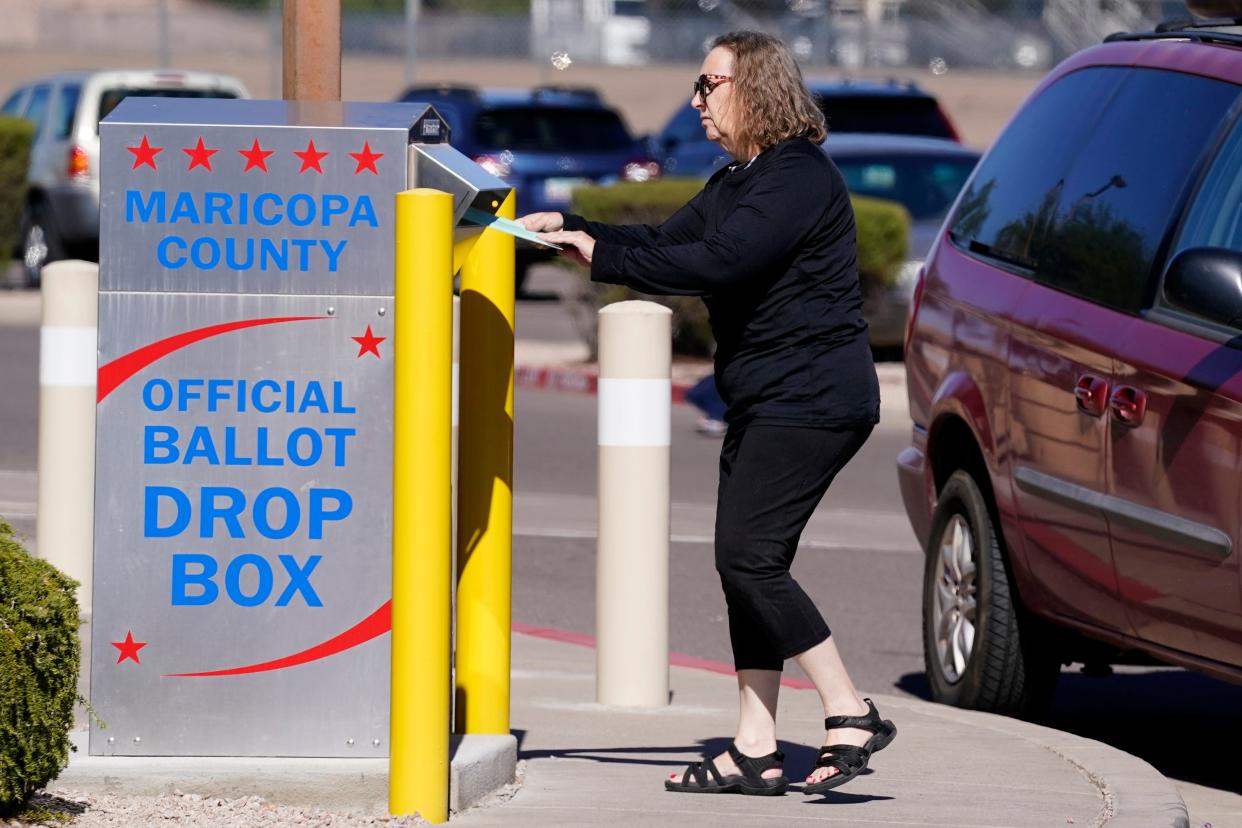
(68,363)
(631,588)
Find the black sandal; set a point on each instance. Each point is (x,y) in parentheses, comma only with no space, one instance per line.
(750,782)
(851,760)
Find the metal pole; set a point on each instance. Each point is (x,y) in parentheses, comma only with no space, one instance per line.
(165,48)
(631,588)
(412,9)
(312,50)
(422,580)
(485,484)
(68,343)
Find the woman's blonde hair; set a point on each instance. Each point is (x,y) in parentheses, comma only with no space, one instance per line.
(773,102)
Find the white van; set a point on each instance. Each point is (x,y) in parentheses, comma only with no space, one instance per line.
(61,215)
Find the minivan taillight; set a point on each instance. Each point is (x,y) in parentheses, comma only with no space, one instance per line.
(79,167)
(916,299)
(952,129)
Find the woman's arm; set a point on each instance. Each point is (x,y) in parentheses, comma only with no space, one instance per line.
(783,205)
(684,226)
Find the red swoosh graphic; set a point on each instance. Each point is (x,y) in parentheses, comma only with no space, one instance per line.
(375,624)
(125,366)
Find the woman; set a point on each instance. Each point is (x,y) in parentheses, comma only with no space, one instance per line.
(769,245)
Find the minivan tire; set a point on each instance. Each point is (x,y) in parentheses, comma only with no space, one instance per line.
(38,229)
(1008,665)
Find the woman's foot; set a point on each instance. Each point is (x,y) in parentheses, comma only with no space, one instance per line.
(733,771)
(842,736)
(727,767)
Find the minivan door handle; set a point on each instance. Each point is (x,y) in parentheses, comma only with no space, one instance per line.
(1129,405)
(1091,392)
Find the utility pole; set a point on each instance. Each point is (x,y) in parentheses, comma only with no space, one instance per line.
(412,9)
(312,50)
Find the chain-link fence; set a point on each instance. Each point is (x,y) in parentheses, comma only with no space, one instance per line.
(1018,34)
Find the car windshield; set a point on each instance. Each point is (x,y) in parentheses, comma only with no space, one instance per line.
(893,114)
(111,97)
(925,184)
(550,129)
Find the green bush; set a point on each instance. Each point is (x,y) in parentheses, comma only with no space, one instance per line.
(16,136)
(38,671)
(883,230)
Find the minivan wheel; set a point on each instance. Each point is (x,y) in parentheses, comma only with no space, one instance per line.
(980,649)
(39,244)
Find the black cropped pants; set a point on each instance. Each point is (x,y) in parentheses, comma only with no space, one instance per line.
(771,479)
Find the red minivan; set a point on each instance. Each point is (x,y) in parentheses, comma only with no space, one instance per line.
(1074,368)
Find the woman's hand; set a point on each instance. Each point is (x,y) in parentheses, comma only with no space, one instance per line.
(542,222)
(575,244)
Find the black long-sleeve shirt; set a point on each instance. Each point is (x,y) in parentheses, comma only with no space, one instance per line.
(770,247)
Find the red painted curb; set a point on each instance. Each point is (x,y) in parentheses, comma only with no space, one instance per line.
(674,659)
(575,380)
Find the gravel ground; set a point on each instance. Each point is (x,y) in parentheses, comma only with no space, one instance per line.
(87,811)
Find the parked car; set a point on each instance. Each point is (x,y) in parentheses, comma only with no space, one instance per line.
(61,215)
(543,141)
(1075,381)
(896,108)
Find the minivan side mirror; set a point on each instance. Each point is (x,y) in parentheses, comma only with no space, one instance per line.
(1207,281)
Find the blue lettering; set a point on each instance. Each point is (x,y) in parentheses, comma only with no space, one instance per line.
(278,257)
(233,260)
(161,252)
(159,445)
(185,394)
(338,400)
(262,217)
(201,445)
(293,512)
(257,396)
(307,212)
(217,204)
(333,205)
(216,391)
(232,580)
(261,449)
(231,457)
(211,512)
(304,247)
(316,446)
(148,394)
(151,507)
(343,503)
(313,397)
(338,443)
(364,211)
(299,581)
(212,257)
(333,253)
(184,209)
(154,207)
(183,578)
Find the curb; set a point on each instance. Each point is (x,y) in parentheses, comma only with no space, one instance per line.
(1134,794)
(480,766)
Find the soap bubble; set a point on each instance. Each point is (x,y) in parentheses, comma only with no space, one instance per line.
(938,66)
(709,5)
(802,47)
(561,60)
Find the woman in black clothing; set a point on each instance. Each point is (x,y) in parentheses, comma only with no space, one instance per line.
(769,244)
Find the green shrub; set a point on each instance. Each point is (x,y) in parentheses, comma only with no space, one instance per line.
(883,230)
(38,671)
(16,136)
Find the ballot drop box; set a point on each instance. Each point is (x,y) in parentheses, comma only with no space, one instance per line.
(242,561)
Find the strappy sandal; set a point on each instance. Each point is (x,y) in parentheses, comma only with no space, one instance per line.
(851,760)
(705,777)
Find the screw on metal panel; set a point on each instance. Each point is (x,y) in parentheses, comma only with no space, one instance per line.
(137,739)
(383,311)
(349,742)
(375,743)
(331,311)
(111,740)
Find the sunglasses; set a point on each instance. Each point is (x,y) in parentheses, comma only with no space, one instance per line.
(704,85)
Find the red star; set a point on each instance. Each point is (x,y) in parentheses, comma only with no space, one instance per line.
(256,156)
(200,156)
(144,153)
(366,159)
(368,343)
(310,158)
(129,648)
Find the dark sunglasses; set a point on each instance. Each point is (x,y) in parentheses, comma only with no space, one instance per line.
(706,84)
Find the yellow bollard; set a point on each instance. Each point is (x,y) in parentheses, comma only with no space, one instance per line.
(422,580)
(485,484)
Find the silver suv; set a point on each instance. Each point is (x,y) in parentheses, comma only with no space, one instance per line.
(61,215)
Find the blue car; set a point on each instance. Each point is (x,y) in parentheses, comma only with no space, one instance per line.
(544,141)
(888,107)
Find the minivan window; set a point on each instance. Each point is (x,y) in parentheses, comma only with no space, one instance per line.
(550,129)
(924,184)
(66,109)
(111,97)
(1215,215)
(892,114)
(36,108)
(1081,201)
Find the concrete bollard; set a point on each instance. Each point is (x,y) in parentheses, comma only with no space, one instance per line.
(635,394)
(68,365)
